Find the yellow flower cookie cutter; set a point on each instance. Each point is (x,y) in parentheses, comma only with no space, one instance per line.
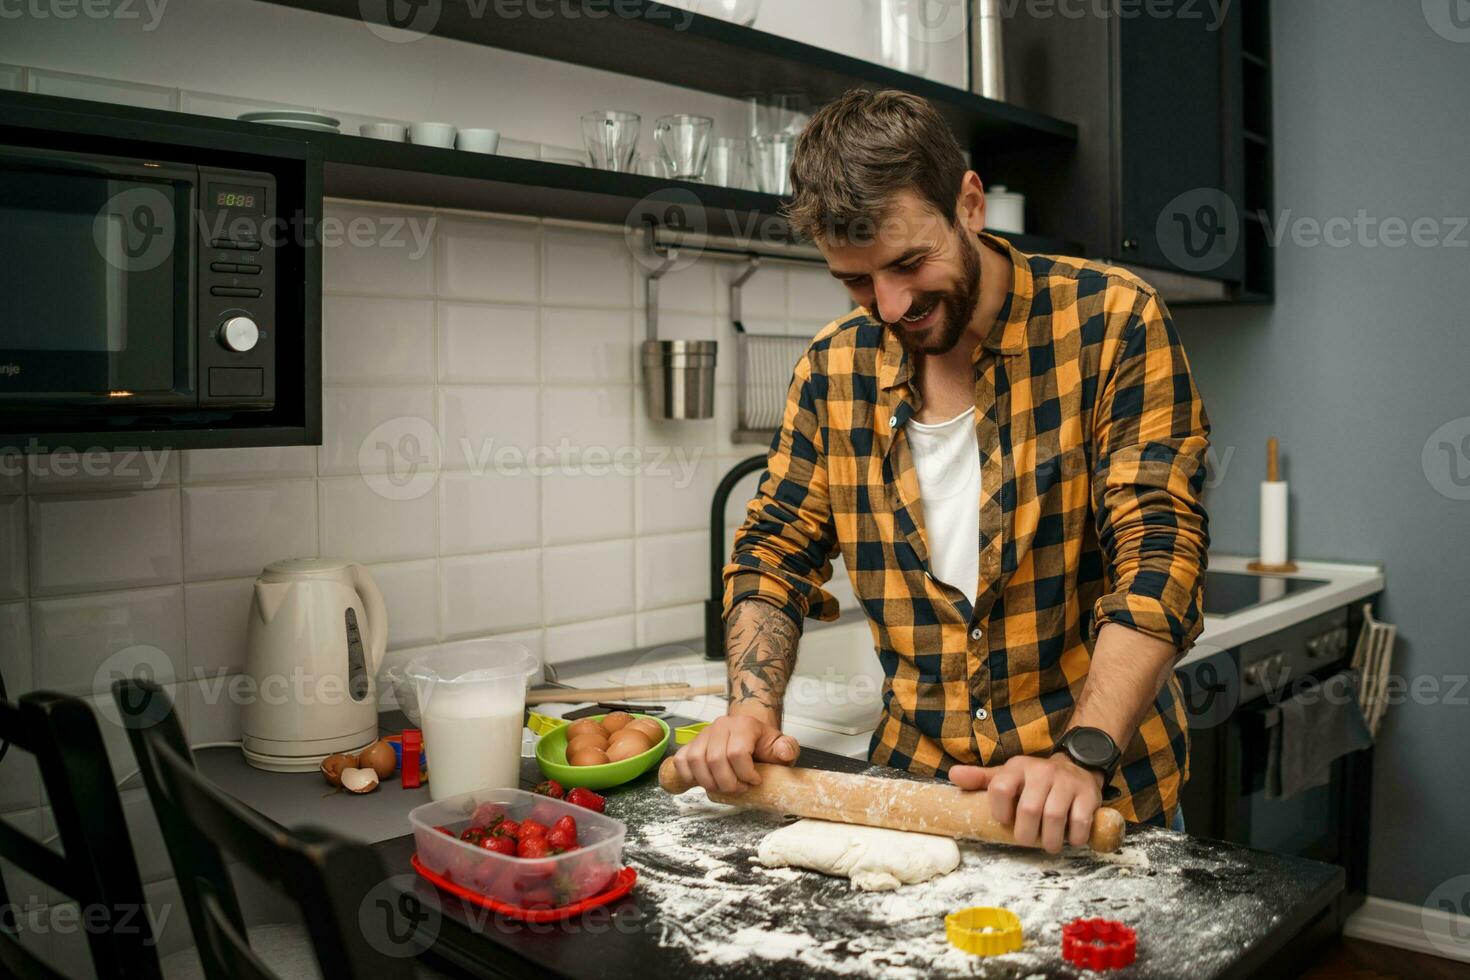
(984,931)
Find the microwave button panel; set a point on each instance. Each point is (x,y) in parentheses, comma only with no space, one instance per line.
(247,382)
(238,244)
(226,267)
(247,270)
(238,292)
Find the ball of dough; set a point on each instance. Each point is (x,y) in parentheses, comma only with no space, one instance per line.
(616,721)
(875,859)
(589,757)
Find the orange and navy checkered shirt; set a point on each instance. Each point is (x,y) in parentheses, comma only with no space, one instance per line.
(1092,440)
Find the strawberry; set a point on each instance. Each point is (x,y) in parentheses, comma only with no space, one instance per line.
(532,828)
(568,824)
(550,788)
(488,814)
(533,846)
(586,798)
(472,835)
(560,839)
(541,898)
(508,828)
(545,813)
(446,830)
(499,845)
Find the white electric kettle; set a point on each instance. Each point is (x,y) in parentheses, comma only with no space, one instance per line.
(318,628)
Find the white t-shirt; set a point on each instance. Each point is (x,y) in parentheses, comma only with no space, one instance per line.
(947,458)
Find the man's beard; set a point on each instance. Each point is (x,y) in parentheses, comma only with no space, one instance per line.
(959,307)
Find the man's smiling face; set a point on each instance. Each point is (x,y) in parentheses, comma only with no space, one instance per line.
(919,274)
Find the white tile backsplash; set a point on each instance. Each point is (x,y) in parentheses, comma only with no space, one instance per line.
(360,523)
(378,430)
(583,507)
(588,581)
(488,259)
(90,542)
(590,639)
(378,251)
(489,593)
(237,529)
(96,471)
(488,512)
(411,593)
(375,340)
(586,345)
(587,268)
(476,424)
(83,643)
(12,547)
(672,569)
(588,419)
(70,86)
(215,619)
(481,342)
(243,465)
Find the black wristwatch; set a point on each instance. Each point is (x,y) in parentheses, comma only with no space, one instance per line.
(1092,748)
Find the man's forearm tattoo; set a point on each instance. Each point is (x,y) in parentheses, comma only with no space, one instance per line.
(760,650)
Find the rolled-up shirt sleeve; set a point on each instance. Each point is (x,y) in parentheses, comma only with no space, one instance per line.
(1151,435)
(783,552)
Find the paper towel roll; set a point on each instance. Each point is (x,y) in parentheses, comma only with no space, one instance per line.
(1273,522)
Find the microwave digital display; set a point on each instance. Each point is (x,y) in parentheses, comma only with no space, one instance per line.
(237,196)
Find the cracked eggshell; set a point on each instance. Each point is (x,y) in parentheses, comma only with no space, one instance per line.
(359,780)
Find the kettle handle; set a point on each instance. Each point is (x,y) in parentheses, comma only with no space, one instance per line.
(377,615)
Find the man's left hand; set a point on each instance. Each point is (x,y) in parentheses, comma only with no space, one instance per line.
(1051,801)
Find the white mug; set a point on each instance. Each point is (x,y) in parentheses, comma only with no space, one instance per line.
(433,134)
(478,140)
(392,132)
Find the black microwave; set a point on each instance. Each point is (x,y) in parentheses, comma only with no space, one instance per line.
(135,287)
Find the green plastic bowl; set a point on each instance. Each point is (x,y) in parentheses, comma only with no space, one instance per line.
(551,756)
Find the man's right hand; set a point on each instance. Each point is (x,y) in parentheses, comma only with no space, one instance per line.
(723,756)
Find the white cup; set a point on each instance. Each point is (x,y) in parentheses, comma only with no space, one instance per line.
(433,134)
(1005,210)
(392,132)
(478,140)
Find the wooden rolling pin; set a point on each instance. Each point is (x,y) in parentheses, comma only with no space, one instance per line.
(898,804)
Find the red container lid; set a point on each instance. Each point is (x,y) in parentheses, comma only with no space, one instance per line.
(621,885)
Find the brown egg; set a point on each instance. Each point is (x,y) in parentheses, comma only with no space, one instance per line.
(648,727)
(333,765)
(583,725)
(615,721)
(587,741)
(636,737)
(380,758)
(588,757)
(626,748)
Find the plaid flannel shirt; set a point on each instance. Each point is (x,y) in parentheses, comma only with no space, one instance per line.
(1092,440)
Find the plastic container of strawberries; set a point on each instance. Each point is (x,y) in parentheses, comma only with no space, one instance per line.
(533,883)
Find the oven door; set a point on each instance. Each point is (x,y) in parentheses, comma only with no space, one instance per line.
(97,271)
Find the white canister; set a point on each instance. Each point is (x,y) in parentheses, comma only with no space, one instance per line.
(1005,210)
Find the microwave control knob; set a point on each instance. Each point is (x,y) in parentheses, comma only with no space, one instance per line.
(239,334)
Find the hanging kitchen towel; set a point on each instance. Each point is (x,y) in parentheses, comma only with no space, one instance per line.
(1309,731)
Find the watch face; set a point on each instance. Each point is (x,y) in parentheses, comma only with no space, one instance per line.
(1091,746)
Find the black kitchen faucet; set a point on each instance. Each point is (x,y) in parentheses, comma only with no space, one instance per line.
(714,606)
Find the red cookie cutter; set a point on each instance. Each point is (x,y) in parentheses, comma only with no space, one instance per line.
(1098,944)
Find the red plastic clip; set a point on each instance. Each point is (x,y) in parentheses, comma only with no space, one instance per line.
(1099,944)
(413,745)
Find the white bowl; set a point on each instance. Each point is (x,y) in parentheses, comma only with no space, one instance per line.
(432,134)
(392,132)
(478,140)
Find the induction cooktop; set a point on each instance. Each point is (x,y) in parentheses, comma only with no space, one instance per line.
(1231,592)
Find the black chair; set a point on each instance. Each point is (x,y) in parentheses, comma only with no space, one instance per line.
(97,868)
(329,878)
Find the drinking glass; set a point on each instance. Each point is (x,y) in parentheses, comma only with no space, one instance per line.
(649,165)
(790,112)
(773,163)
(683,141)
(903,35)
(729,163)
(611,138)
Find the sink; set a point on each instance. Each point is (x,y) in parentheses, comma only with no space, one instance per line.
(838,683)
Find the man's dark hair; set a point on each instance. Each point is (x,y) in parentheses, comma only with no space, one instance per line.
(862,149)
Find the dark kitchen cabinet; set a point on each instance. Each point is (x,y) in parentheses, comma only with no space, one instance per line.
(1172,168)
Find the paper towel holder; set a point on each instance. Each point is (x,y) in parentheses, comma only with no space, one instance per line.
(1273,475)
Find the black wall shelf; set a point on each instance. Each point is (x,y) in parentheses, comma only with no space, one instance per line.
(401,173)
(644,39)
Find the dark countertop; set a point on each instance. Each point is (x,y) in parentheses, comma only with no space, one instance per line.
(1202,908)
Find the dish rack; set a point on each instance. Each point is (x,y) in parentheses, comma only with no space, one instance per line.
(763,366)
(1371,659)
